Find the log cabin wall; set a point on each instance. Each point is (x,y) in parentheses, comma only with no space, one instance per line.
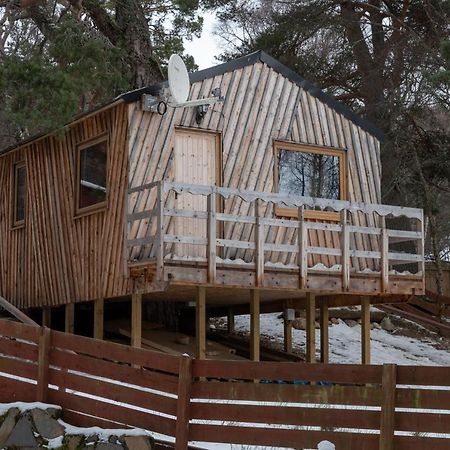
(261,106)
(56,258)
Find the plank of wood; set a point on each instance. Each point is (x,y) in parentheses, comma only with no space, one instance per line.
(283,437)
(310,327)
(255,338)
(183,412)
(43,365)
(365,330)
(387,424)
(99,309)
(136,320)
(324,337)
(200,322)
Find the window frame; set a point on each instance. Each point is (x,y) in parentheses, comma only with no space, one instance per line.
(15,224)
(100,206)
(307,148)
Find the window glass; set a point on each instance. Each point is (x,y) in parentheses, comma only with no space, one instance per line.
(20,189)
(92,173)
(308,174)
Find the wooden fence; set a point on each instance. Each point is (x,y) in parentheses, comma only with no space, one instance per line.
(276,404)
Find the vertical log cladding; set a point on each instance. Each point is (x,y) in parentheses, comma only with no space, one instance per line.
(57,258)
(261,105)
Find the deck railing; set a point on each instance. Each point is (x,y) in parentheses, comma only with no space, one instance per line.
(249,234)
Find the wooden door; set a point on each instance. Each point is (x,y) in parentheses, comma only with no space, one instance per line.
(196,161)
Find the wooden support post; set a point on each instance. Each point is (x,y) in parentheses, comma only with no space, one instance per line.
(70,318)
(310,327)
(183,403)
(99,310)
(324,340)
(388,388)
(302,248)
(212,238)
(230,321)
(345,251)
(47,317)
(254,325)
(365,330)
(43,365)
(200,322)
(136,320)
(287,328)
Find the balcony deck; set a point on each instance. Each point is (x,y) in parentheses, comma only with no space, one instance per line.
(189,235)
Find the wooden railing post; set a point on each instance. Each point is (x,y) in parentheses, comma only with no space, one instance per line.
(43,364)
(302,250)
(159,232)
(183,403)
(212,238)
(384,257)
(345,251)
(387,424)
(259,247)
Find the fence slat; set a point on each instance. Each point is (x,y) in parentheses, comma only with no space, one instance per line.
(388,407)
(43,364)
(183,406)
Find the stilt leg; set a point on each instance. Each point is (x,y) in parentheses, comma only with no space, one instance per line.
(70,318)
(310,327)
(365,330)
(324,340)
(254,325)
(200,322)
(98,318)
(136,320)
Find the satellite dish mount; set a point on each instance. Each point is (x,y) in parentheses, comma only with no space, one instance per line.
(176,94)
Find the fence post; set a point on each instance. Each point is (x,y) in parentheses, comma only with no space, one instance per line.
(43,364)
(183,403)
(387,424)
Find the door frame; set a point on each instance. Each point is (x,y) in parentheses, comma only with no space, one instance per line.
(220,201)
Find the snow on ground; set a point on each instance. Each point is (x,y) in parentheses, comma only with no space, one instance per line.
(345,343)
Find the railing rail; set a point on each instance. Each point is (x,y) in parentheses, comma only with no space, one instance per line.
(143,232)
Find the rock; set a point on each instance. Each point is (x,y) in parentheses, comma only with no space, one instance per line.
(72,442)
(8,425)
(387,325)
(22,435)
(376,326)
(299,324)
(326,445)
(351,323)
(316,325)
(108,446)
(334,320)
(56,413)
(46,425)
(138,443)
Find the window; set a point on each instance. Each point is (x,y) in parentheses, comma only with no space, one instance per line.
(310,172)
(20,192)
(91,189)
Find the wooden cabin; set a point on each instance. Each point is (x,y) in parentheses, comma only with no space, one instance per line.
(269,196)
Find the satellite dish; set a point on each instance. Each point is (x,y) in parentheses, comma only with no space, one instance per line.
(179,85)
